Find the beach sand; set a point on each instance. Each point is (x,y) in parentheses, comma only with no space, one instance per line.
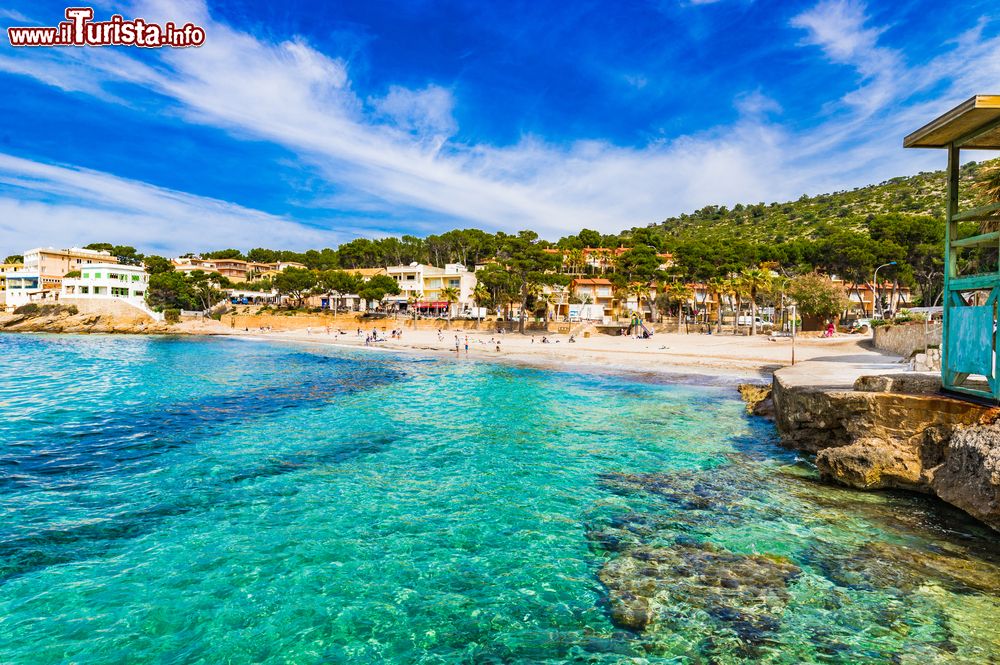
(733,357)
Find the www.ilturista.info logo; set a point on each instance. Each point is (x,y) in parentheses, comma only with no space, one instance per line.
(79,29)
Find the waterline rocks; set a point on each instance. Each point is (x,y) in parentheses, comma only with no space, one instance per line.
(758,399)
(744,593)
(970,475)
(895,431)
(61,319)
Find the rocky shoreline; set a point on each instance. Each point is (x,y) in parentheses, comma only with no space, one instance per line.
(896,432)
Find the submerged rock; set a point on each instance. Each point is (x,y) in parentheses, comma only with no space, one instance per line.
(747,594)
(880,565)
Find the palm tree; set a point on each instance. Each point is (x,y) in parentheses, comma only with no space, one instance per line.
(412,301)
(735,284)
(574,258)
(779,285)
(681,293)
(480,295)
(755,280)
(450,294)
(640,290)
(660,287)
(717,286)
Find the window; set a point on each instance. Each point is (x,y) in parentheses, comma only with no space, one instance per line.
(135,278)
(86,275)
(84,289)
(97,275)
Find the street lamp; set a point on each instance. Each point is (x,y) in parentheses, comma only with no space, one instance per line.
(875,288)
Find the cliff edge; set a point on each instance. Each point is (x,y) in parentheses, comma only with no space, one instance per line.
(892,431)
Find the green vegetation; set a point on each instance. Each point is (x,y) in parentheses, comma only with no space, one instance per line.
(813,217)
(169,289)
(125,254)
(817,296)
(296,283)
(846,233)
(527,262)
(14,258)
(377,288)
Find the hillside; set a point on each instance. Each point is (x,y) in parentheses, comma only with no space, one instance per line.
(814,216)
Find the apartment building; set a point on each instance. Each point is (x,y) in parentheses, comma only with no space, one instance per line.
(108,281)
(41,276)
(421,286)
(236,270)
(595,291)
(4,269)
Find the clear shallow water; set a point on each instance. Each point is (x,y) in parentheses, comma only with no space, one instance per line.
(214,500)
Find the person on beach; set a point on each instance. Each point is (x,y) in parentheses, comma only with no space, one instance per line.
(466,345)
(498,346)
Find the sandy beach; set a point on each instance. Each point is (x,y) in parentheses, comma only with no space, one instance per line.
(719,356)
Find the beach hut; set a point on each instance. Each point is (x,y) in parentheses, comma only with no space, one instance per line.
(969,364)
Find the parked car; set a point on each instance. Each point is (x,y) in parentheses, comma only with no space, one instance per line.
(862,326)
(746,320)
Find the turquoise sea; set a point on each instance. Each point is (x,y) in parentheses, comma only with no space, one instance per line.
(228,501)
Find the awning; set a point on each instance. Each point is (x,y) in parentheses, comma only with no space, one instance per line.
(975,124)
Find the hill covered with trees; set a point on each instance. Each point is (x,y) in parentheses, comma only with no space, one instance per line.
(845,233)
(817,216)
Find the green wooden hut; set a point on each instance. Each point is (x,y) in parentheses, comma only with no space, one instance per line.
(969,363)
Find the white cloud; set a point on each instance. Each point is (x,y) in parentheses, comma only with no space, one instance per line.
(424,112)
(394,152)
(59,205)
(840,28)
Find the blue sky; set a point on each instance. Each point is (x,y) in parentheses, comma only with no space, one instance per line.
(304,123)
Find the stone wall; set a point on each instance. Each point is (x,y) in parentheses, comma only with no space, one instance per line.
(121,311)
(897,432)
(905,339)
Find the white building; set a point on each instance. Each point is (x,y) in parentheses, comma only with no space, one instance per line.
(41,277)
(422,284)
(108,281)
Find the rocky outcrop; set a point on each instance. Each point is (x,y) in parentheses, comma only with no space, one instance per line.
(970,475)
(67,320)
(897,432)
(758,399)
